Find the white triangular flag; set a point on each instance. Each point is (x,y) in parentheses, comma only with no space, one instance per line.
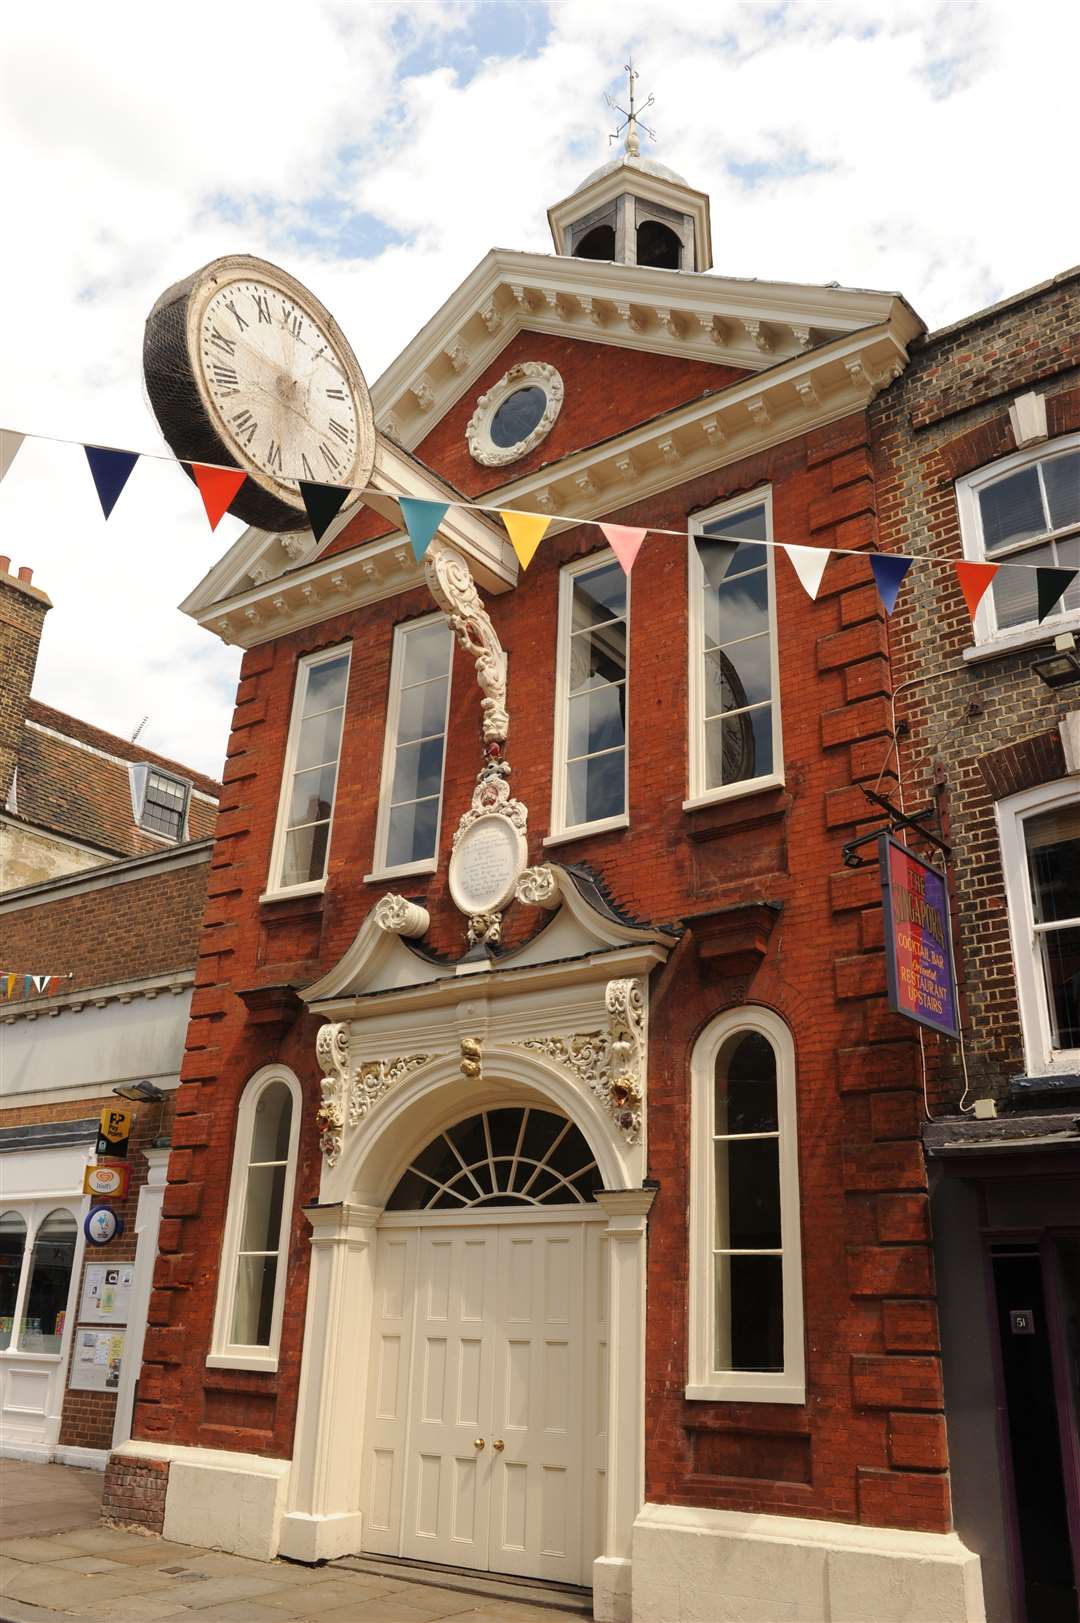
(40,982)
(9,448)
(809,564)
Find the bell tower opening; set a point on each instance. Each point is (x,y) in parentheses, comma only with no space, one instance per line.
(633,210)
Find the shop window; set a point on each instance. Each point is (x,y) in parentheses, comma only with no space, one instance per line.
(247,1326)
(309,782)
(1040,850)
(589,782)
(414,753)
(1024,510)
(12,1251)
(735,742)
(41,1325)
(746,1331)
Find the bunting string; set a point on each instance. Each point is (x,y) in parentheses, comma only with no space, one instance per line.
(219,483)
(28,985)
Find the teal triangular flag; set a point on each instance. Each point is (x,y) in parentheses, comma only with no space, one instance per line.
(111,471)
(1050,584)
(323,504)
(422,519)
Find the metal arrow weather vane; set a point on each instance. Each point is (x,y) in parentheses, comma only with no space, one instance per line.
(632,114)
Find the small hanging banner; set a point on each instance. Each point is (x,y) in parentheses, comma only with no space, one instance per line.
(918,939)
(422,519)
(323,503)
(889,571)
(625,543)
(809,564)
(111,471)
(217,487)
(974,579)
(9,448)
(526,531)
(114,1132)
(1051,584)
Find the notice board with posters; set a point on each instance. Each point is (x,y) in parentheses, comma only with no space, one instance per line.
(918,938)
(97,1360)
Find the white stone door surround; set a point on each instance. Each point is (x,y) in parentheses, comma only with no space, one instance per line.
(322,1517)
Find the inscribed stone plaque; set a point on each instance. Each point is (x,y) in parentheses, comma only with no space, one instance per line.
(485,865)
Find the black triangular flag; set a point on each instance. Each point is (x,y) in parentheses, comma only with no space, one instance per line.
(111,471)
(1050,585)
(323,503)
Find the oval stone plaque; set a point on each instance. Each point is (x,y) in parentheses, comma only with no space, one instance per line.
(485,865)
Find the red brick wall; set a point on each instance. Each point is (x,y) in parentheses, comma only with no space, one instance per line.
(871,1327)
(978,732)
(122,932)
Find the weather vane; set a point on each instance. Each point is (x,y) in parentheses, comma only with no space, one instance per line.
(631,115)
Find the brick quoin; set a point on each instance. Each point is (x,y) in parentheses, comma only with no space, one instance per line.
(669,866)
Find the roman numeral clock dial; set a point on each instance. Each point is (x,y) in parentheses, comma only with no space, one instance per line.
(245,367)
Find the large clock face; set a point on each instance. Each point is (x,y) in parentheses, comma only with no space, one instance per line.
(277,384)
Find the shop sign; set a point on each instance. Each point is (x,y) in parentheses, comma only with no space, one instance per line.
(114,1131)
(102,1225)
(107,1182)
(918,939)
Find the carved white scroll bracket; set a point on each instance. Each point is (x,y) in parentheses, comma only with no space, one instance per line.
(611,1063)
(400,917)
(538,887)
(454,590)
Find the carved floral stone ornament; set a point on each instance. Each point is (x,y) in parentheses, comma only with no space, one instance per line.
(401,917)
(538,887)
(454,590)
(611,1063)
(347,1093)
(515,414)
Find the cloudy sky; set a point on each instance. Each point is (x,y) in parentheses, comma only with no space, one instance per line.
(377,150)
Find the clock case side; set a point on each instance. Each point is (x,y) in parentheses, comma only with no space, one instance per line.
(181,408)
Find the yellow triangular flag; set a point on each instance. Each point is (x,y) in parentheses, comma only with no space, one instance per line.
(526,531)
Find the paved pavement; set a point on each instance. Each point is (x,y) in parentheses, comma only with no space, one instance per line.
(57,1561)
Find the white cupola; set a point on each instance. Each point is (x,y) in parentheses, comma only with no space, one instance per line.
(635,211)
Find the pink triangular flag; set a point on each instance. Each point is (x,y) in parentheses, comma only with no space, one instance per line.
(625,543)
(809,564)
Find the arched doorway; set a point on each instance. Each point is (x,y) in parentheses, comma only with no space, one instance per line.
(484,1441)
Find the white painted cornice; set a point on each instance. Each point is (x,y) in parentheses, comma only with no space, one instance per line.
(726,320)
(259,558)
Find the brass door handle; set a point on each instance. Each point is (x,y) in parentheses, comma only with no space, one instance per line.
(478,1442)
(498,1445)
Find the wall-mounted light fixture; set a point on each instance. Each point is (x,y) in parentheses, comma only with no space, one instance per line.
(1061,667)
(140,1093)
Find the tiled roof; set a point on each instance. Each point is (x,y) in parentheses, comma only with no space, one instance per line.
(73,780)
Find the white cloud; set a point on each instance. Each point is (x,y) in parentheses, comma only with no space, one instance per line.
(903,145)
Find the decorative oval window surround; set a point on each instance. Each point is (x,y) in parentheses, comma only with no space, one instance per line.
(515,414)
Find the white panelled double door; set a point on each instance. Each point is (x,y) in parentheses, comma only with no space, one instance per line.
(485,1435)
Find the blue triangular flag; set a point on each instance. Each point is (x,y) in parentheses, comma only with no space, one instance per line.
(111,471)
(422,519)
(889,571)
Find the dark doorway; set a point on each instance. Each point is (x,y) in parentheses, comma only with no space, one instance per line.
(658,245)
(1047,1581)
(599,243)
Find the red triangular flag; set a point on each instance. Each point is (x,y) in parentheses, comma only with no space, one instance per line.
(625,543)
(217,487)
(974,579)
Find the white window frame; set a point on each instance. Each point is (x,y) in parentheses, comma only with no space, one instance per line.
(225,1354)
(1041,1057)
(310,887)
(560,830)
(139,774)
(381,869)
(34,1209)
(705,1383)
(699,794)
(1029,632)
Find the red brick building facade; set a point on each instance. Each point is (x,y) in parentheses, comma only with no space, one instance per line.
(684,967)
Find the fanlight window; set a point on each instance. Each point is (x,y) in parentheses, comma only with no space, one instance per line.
(508,1157)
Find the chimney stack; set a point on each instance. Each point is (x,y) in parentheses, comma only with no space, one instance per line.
(23,608)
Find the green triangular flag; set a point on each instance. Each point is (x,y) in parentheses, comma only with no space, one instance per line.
(323,503)
(422,519)
(1050,584)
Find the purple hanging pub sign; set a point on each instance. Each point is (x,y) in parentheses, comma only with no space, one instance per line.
(918,940)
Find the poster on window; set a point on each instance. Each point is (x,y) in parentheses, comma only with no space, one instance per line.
(95,1366)
(106,1293)
(918,941)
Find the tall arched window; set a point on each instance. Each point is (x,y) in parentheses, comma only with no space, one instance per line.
(254,1251)
(746,1322)
(12,1247)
